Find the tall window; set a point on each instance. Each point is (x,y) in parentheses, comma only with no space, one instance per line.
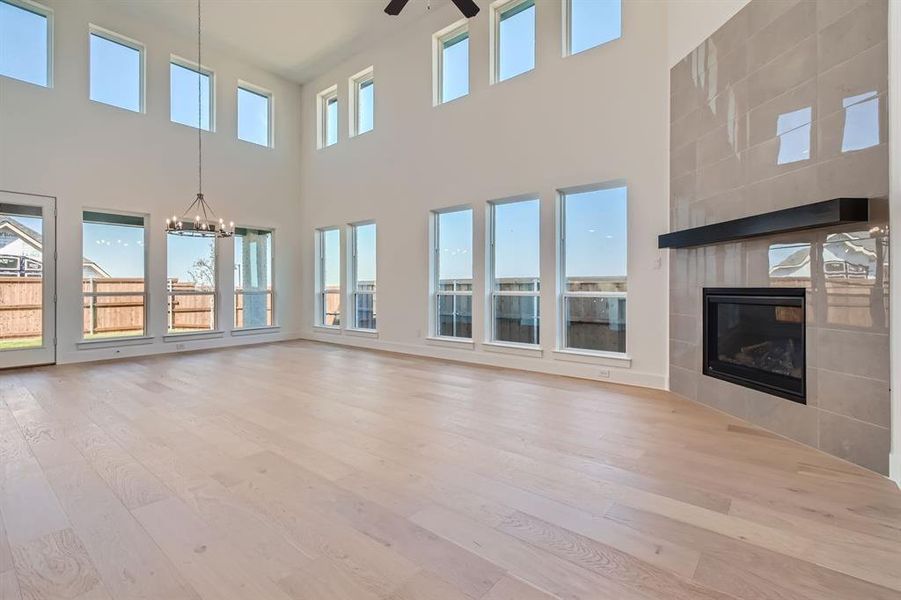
(452,298)
(183,76)
(327,109)
(514,39)
(25,31)
(254,115)
(191,283)
(253,278)
(515,271)
(113,289)
(451,54)
(363,275)
(328,280)
(590,23)
(593,269)
(117,70)
(362,94)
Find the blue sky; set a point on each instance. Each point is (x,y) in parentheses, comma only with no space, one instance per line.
(596,233)
(366,252)
(183,96)
(23,51)
(455,69)
(253,117)
(332,242)
(117,249)
(115,74)
(455,245)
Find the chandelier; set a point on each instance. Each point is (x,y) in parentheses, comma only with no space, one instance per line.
(204,223)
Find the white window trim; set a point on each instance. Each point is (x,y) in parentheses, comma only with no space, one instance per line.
(217,299)
(438,39)
(563,348)
(270,117)
(351,296)
(123,339)
(272,292)
(116,38)
(204,70)
(47,13)
(322,100)
(434,272)
(319,272)
(354,83)
(491,293)
(494,33)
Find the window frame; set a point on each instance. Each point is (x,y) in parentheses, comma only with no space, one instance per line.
(146,294)
(439,39)
(273,314)
(321,293)
(270,112)
(491,276)
(435,292)
(355,84)
(567,31)
(47,13)
(139,47)
(323,99)
(563,293)
(214,312)
(497,10)
(190,65)
(352,292)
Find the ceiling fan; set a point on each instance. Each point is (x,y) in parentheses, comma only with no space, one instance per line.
(467,7)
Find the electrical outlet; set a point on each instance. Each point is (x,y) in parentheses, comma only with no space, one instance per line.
(605,373)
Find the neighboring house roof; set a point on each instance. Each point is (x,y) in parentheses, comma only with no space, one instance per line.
(844,248)
(36,241)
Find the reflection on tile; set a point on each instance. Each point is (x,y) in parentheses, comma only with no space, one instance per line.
(861,122)
(790,261)
(793,129)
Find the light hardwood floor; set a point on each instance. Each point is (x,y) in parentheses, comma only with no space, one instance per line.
(302,470)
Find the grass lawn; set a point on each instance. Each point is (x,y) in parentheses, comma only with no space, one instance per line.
(20,343)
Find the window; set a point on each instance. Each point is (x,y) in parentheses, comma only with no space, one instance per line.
(328,277)
(191,283)
(254,115)
(593,269)
(451,58)
(253,278)
(362,95)
(184,78)
(26,31)
(327,108)
(861,128)
(515,281)
(117,70)
(513,27)
(590,23)
(793,130)
(452,297)
(113,265)
(363,275)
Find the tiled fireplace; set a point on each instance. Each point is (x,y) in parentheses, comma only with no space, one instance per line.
(784,106)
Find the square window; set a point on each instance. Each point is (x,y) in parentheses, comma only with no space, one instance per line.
(25,29)
(186,81)
(513,26)
(253,278)
(451,56)
(327,110)
(254,116)
(117,71)
(591,23)
(362,94)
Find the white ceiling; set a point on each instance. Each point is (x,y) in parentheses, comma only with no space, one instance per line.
(298,39)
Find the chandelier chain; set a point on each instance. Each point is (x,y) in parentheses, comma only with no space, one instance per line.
(199,108)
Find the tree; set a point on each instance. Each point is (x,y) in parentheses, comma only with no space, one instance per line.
(203,270)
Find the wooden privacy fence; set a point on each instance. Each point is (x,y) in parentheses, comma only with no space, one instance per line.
(20,307)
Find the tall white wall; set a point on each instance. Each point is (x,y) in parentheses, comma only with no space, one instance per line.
(56,142)
(597,116)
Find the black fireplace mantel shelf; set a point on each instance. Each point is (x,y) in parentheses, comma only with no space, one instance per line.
(828,213)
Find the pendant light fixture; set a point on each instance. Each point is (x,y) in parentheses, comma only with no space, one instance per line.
(204,222)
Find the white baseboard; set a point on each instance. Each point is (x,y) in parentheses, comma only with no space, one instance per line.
(894,468)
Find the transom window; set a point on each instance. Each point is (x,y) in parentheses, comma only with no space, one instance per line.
(113,267)
(117,70)
(452,267)
(327,109)
(254,115)
(515,273)
(591,23)
(191,283)
(26,34)
(451,57)
(183,90)
(513,28)
(593,268)
(362,94)
(363,275)
(328,277)
(253,278)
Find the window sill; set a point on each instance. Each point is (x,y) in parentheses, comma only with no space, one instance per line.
(327,329)
(512,348)
(595,357)
(255,330)
(367,333)
(114,342)
(193,335)
(439,340)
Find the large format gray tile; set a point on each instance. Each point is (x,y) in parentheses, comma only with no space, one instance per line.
(723,396)
(865,72)
(861,443)
(782,34)
(861,126)
(786,71)
(791,419)
(853,353)
(858,397)
(684,382)
(763,120)
(763,12)
(853,33)
(860,174)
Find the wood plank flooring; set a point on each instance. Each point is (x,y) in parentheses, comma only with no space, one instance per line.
(310,471)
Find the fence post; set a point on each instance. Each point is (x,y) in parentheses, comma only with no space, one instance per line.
(92,308)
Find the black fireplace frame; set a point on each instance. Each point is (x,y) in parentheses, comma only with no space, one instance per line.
(771,383)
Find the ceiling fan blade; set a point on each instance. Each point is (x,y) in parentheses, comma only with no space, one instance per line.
(467,7)
(395,6)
